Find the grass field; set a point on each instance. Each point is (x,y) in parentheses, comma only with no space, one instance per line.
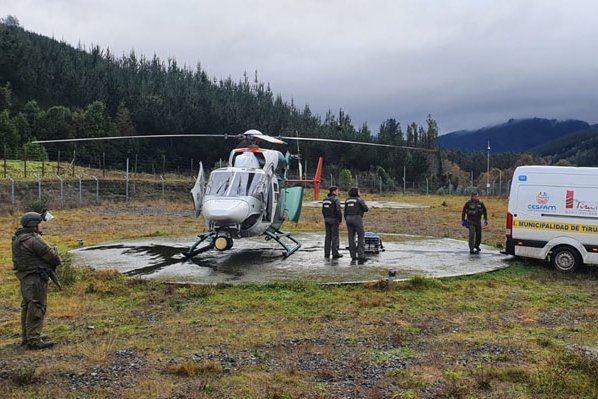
(522,332)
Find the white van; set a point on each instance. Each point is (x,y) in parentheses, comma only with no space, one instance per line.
(553,214)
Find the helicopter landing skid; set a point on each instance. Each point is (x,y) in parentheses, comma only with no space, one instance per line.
(193,250)
(277,235)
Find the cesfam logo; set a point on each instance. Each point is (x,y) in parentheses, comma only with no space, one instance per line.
(542,198)
(541,204)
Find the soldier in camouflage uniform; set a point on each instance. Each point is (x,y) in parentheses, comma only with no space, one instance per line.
(473,210)
(34,262)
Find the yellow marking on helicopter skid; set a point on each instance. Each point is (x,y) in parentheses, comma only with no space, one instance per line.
(220,243)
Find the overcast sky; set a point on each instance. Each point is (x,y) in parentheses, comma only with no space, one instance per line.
(468,63)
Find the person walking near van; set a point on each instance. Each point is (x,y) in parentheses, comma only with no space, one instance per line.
(471,217)
(34,263)
(355,207)
(333,217)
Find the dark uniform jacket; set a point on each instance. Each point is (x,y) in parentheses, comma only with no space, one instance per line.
(474,210)
(355,206)
(31,254)
(331,209)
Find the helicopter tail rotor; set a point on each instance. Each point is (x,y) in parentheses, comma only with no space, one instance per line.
(317,178)
(309,182)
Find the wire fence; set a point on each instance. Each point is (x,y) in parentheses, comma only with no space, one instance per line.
(67,192)
(64,182)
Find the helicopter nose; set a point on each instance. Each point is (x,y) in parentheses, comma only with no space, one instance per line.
(230,212)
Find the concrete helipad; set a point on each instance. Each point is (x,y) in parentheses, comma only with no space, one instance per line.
(256,261)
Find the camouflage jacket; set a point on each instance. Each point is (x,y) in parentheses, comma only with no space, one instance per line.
(31,254)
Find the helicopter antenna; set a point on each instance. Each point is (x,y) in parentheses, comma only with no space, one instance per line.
(299,156)
(297,135)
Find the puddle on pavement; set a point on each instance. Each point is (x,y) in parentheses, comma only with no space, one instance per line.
(254,260)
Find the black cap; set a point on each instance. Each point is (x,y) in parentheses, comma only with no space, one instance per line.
(332,189)
(474,193)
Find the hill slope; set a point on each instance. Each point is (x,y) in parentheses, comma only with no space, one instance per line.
(517,135)
(579,148)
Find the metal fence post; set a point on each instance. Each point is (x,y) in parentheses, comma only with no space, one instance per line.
(80,191)
(39,187)
(162,178)
(12,190)
(61,191)
(127,182)
(97,189)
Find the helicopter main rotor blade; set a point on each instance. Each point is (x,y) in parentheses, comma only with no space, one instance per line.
(269,139)
(359,143)
(256,134)
(149,136)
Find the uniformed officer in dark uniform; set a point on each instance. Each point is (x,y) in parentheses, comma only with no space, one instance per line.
(354,210)
(471,217)
(34,263)
(333,217)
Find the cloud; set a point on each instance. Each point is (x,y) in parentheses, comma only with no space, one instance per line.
(468,63)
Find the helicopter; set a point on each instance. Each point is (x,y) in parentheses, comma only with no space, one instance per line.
(252,195)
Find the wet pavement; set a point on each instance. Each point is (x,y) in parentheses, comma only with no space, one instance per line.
(253,260)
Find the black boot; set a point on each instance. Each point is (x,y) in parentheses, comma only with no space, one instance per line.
(36,345)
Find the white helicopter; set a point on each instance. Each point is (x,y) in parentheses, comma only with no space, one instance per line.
(249,197)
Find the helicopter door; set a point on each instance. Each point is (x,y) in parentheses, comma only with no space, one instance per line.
(292,202)
(199,190)
(272,193)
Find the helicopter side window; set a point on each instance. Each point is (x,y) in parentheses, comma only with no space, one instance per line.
(257,186)
(246,184)
(219,183)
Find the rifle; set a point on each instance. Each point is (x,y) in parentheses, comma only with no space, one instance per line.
(54,278)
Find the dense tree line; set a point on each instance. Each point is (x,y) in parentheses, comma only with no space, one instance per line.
(579,148)
(50,90)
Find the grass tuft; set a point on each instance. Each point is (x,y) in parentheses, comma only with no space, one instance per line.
(24,375)
(420,282)
(159,233)
(67,273)
(98,351)
(192,369)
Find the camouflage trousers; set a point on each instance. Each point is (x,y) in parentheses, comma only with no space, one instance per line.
(34,290)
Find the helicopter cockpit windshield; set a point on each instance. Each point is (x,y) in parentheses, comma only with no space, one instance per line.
(236,184)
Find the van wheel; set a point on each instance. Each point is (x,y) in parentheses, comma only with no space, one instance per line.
(565,259)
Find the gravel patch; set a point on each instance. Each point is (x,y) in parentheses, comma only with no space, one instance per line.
(126,363)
